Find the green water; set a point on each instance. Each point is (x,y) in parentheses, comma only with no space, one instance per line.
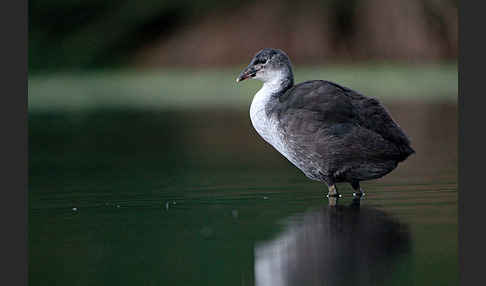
(161,180)
(195,197)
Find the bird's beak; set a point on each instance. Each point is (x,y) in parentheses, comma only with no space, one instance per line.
(248,72)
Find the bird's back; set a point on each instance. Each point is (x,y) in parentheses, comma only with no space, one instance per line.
(336,130)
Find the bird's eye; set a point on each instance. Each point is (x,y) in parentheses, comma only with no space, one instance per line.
(261,61)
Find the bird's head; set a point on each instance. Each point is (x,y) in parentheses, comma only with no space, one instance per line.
(267,65)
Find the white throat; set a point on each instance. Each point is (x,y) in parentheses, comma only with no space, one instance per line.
(272,81)
(264,125)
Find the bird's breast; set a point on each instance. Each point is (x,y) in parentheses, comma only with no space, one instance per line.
(265,124)
(269,128)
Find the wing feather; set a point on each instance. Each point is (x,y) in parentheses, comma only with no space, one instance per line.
(323,105)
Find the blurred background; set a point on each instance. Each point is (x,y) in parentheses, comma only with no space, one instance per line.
(144,167)
(67,35)
(167,52)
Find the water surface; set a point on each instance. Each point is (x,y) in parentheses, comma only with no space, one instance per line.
(194,197)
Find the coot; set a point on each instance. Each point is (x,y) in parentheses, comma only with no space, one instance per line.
(330,132)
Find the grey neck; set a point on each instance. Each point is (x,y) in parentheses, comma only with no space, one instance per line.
(286,84)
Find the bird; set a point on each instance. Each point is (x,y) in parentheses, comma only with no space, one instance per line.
(332,133)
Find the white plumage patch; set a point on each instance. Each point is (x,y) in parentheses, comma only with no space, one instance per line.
(267,127)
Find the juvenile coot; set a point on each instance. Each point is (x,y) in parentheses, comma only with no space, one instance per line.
(331,133)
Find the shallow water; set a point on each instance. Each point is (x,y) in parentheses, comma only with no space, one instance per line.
(195,197)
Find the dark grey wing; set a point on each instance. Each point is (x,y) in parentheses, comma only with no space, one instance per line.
(373,116)
(342,121)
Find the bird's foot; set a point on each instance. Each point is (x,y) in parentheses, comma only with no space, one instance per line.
(359,194)
(333,201)
(335,195)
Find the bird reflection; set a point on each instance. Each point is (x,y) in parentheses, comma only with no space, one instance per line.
(334,245)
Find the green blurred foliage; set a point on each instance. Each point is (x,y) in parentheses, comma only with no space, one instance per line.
(85,34)
(91,34)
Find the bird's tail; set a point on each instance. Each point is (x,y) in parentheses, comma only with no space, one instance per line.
(405,151)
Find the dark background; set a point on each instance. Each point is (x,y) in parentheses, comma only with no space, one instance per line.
(73,35)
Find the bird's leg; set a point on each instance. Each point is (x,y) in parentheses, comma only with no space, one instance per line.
(333,192)
(358,191)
